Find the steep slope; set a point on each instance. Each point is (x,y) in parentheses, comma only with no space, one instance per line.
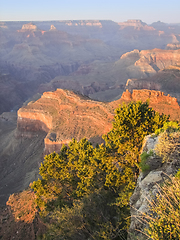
(166,80)
(37,52)
(148,187)
(106,81)
(19,157)
(65,115)
(54,119)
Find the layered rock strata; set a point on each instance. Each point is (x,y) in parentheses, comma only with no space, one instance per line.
(151,61)
(64,115)
(157,100)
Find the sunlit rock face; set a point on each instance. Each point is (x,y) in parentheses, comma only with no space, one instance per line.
(64,115)
(151,61)
(29,26)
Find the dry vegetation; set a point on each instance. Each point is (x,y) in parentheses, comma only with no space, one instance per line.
(168,146)
(164,222)
(23,206)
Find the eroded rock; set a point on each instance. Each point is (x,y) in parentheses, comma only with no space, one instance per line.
(147,188)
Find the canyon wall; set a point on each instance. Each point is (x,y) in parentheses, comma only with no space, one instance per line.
(151,61)
(64,115)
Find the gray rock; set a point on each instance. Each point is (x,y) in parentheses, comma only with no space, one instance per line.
(147,188)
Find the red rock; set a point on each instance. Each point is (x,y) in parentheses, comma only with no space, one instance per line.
(65,115)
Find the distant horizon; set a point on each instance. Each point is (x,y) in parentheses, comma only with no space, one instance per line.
(115,10)
(31,21)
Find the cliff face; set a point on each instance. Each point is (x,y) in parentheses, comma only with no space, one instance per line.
(64,115)
(157,100)
(29,26)
(136,24)
(154,97)
(158,58)
(167,81)
(151,61)
(147,187)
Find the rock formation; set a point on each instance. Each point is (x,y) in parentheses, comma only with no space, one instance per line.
(151,61)
(173,46)
(64,115)
(157,100)
(29,27)
(167,80)
(153,96)
(55,118)
(146,188)
(137,24)
(52,28)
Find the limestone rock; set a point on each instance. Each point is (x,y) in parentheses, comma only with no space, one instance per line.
(147,188)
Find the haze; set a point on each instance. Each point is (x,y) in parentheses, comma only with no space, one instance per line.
(116,10)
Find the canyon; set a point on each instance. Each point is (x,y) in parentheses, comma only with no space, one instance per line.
(64,115)
(63,79)
(85,56)
(43,125)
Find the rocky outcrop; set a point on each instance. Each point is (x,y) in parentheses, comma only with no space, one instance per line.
(151,61)
(29,27)
(157,100)
(159,58)
(137,24)
(64,115)
(173,46)
(52,28)
(154,97)
(146,188)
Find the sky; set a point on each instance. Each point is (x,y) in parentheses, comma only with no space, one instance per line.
(148,11)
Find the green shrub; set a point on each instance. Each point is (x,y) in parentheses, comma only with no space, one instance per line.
(144,156)
(131,124)
(169,127)
(178,174)
(79,171)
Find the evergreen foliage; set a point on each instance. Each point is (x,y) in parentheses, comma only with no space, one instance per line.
(169,127)
(132,123)
(86,179)
(144,156)
(95,184)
